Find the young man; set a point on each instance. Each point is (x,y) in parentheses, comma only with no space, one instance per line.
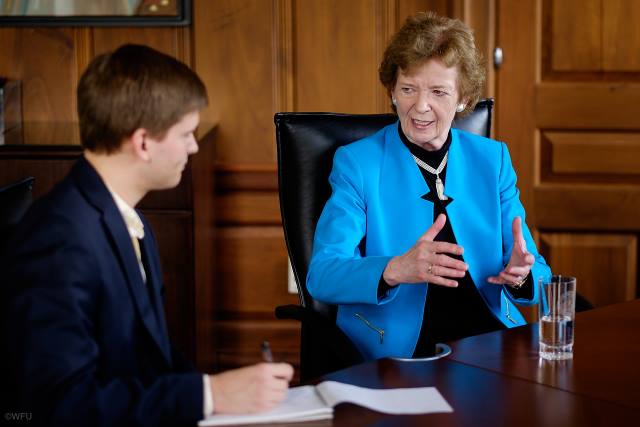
(86,336)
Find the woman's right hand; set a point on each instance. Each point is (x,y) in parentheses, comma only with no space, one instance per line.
(427,261)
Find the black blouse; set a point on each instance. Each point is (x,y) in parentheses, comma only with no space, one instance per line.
(449,313)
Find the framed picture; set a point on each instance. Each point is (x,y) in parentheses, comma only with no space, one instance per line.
(95,12)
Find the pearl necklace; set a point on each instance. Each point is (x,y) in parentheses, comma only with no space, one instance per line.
(436,172)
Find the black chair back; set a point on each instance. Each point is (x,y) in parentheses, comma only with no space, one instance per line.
(306,145)
(15,199)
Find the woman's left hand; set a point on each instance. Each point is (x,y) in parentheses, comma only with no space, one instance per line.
(520,262)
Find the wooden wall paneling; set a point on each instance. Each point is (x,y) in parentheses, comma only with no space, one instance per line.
(337,54)
(240,342)
(588,206)
(520,63)
(480,16)
(576,35)
(47,164)
(587,105)
(173,232)
(252,271)
(234,56)
(245,177)
(604,264)
(248,207)
(410,7)
(387,23)
(48,80)
(173,41)
(611,153)
(621,35)
(283,56)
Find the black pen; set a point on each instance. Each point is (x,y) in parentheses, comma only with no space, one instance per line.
(266,352)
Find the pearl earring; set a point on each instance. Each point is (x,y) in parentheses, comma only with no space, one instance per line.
(460,108)
(393,101)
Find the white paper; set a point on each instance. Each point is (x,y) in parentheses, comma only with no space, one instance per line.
(419,400)
(309,403)
(302,404)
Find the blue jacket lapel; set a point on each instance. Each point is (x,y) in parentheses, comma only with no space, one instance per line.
(94,190)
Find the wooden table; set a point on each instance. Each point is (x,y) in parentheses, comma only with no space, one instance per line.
(605,364)
(497,379)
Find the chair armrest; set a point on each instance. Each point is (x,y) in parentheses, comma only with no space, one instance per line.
(324,346)
(291,311)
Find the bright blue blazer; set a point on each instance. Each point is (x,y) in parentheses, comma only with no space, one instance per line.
(376,212)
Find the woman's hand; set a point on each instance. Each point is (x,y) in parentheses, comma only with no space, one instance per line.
(520,262)
(426,261)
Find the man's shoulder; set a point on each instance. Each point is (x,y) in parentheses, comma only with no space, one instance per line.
(62,215)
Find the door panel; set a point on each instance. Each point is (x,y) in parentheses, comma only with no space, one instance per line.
(567,106)
(583,256)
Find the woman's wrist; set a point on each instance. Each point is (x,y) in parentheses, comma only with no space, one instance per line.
(388,275)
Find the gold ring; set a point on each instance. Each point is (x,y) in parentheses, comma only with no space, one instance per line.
(430,268)
(519,283)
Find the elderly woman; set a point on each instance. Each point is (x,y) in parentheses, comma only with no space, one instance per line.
(423,239)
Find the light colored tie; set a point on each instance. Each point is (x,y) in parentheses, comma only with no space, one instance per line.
(136,229)
(136,248)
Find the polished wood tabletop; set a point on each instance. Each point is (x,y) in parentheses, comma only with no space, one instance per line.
(497,379)
(606,355)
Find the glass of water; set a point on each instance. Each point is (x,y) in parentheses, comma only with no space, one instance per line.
(556,314)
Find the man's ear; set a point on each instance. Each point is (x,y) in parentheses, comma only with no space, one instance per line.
(139,143)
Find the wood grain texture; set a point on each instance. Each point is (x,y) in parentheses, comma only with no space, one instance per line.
(239,342)
(480,16)
(409,7)
(621,35)
(336,56)
(234,45)
(246,177)
(48,73)
(588,106)
(576,36)
(596,372)
(248,207)
(611,153)
(515,120)
(169,40)
(588,207)
(251,270)
(604,264)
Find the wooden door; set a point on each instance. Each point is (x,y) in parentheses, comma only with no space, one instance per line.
(568,105)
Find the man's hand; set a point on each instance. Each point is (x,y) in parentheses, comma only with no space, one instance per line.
(426,261)
(250,389)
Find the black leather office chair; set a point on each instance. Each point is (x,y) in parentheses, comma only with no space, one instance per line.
(306,145)
(15,199)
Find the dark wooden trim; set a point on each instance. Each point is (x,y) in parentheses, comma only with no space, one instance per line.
(246,177)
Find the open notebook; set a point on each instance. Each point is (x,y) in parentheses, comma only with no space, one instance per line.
(308,403)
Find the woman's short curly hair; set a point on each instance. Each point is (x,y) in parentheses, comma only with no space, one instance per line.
(426,35)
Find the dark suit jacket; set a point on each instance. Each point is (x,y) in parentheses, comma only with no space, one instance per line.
(86,339)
